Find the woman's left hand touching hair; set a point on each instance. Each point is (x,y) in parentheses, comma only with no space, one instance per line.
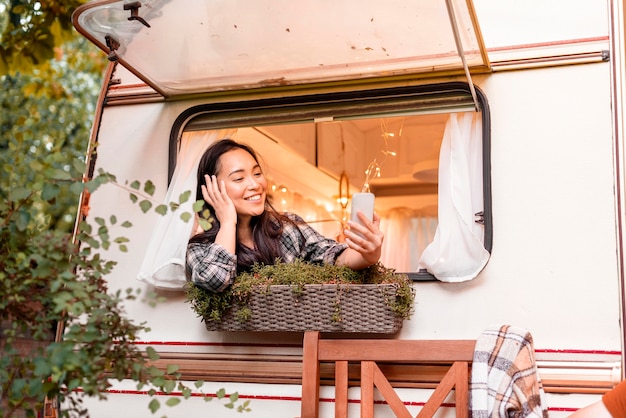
(364,242)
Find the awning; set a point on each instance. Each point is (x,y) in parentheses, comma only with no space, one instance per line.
(181,47)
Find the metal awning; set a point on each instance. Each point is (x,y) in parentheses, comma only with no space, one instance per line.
(181,47)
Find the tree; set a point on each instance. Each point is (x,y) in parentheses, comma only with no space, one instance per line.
(50,79)
(60,327)
(45,125)
(30,31)
(49,283)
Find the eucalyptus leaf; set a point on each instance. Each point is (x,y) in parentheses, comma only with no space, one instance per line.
(152,353)
(198,205)
(77,188)
(161,209)
(206,225)
(22,220)
(50,191)
(185,216)
(172,402)
(145,205)
(169,385)
(184,196)
(20,193)
(154,405)
(149,187)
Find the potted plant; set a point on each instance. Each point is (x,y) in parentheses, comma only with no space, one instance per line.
(300,296)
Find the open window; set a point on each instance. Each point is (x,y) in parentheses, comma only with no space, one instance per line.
(189,46)
(318,150)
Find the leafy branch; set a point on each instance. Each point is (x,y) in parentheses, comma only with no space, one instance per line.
(50,280)
(168,382)
(144,197)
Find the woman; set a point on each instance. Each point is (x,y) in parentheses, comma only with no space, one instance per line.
(246,229)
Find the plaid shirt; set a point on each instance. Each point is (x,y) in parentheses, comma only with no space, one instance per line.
(212,267)
(505,382)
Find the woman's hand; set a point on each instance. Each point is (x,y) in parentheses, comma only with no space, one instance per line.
(366,238)
(214,193)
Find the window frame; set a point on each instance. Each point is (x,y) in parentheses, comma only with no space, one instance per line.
(430,98)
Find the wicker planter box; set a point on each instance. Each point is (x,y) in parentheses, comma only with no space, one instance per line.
(354,308)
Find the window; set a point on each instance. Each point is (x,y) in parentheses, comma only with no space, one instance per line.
(317,150)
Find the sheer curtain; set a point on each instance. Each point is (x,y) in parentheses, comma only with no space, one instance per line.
(457,252)
(407,233)
(163,265)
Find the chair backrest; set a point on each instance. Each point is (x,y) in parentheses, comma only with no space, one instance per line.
(370,352)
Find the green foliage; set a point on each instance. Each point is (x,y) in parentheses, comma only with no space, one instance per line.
(44,129)
(212,306)
(32,31)
(63,333)
(49,279)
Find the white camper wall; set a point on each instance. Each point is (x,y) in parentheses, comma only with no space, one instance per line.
(553,268)
(553,265)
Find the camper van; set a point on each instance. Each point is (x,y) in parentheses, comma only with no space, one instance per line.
(491,134)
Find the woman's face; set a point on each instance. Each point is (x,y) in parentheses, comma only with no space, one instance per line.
(245,183)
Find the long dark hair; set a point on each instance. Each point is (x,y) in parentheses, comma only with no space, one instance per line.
(266,228)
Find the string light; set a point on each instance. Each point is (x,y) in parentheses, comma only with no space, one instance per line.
(373,169)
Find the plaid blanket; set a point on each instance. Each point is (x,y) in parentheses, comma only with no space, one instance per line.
(504,379)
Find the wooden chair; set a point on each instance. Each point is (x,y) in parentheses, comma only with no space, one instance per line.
(368,352)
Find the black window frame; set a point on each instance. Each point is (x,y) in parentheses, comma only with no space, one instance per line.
(443,98)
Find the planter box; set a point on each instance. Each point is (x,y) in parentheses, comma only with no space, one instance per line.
(360,308)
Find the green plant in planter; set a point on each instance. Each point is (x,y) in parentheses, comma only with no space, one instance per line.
(212,306)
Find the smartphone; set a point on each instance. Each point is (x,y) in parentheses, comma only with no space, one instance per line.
(363,202)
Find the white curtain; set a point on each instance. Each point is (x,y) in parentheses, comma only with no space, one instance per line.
(457,252)
(163,265)
(424,228)
(407,232)
(396,226)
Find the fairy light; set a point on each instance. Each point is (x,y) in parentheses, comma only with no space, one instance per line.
(373,169)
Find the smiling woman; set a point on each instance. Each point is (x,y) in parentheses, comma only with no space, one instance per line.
(245,229)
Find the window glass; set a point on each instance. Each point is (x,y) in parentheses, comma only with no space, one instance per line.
(191,46)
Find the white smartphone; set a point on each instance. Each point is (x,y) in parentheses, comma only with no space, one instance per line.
(363,202)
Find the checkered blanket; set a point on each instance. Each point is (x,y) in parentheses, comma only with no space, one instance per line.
(504,379)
